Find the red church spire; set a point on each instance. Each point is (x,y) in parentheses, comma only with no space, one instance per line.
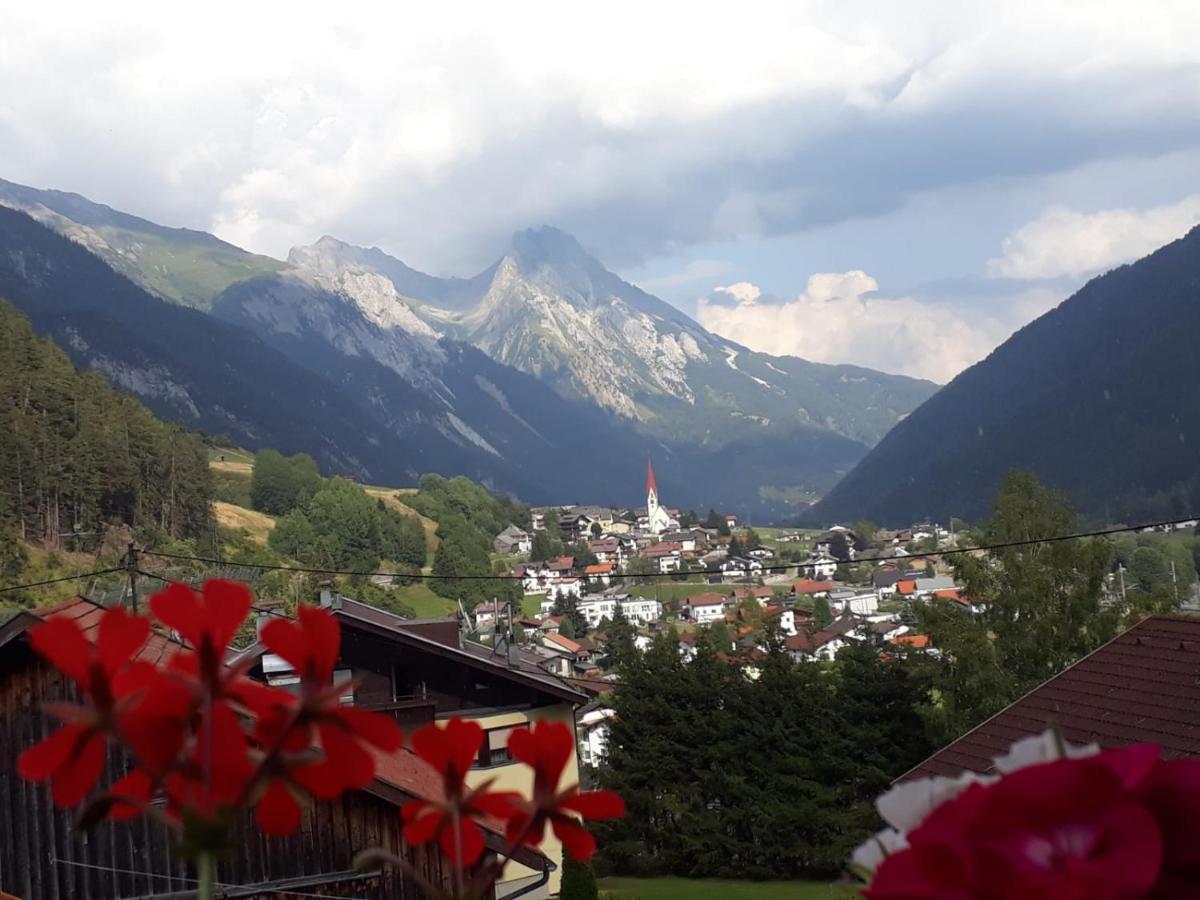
(651,485)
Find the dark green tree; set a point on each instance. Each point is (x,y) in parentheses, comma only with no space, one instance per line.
(279,484)
(578,881)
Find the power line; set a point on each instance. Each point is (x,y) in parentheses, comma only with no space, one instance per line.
(1006,545)
(79,577)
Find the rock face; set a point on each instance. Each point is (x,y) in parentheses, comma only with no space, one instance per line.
(550,309)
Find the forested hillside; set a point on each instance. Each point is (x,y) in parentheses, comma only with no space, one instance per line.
(1097,398)
(76,455)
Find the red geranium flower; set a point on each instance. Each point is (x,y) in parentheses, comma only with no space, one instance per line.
(1072,828)
(451,750)
(207,619)
(547,748)
(73,756)
(311,645)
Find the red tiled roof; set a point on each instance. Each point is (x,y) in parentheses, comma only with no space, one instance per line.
(600,569)
(809,586)
(907,586)
(563,642)
(709,599)
(87,615)
(1142,686)
(916,641)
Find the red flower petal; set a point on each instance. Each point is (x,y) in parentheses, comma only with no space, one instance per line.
(596,804)
(178,607)
(470,842)
(286,639)
(355,765)
(278,812)
(228,604)
(71,782)
(122,635)
(40,761)
(575,839)
(421,826)
(375,728)
(324,780)
(324,640)
(62,642)
(451,749)
(135,785)
(413,808)
(547,747)
(499,805)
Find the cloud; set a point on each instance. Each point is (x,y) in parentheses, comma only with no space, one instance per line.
(436,131)
(745,293)
(1064,242)
(835,321)
(696,270)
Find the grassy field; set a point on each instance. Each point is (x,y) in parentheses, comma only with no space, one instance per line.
(691,889)
(424,602)
(257,525)
(676,590)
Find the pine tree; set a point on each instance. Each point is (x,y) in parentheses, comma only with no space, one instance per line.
(578,881)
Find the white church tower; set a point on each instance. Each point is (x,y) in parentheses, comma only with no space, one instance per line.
(658,519)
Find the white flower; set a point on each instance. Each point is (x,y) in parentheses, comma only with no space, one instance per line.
(1041,748)
(907,804)
(871,852)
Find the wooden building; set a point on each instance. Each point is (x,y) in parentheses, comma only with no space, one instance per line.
(44,855)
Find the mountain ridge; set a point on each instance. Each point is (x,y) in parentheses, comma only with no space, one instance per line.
(1093,397)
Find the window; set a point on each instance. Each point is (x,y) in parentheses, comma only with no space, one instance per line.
(494,749)
(344,678)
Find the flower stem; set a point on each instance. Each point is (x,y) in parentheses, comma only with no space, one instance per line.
(206,867)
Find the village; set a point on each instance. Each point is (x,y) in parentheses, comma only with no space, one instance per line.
(658,569)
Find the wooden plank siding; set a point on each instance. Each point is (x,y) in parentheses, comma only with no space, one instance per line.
(43,854)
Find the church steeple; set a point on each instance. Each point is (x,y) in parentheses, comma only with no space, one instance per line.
(651,485)
(651,495)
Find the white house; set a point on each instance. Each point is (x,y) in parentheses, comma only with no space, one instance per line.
(488,613)
(513,540)
(592,721)
(820,568)
(638,610)
(704,608)
(740,567)
(822,645)
(856,604)
(761,553)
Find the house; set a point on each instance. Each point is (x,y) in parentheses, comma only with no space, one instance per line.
(793,538)
(489,613)
(1141,687)
(740,567)
(668,557)
(825,644)
(925,587)
(606,550)
(690,540)
(806,587)
(887,630)
(854,603)
(705,608)
(911,641)
(731,522)
(599,573)
(513,540)
(761,553)
(53,859)
(551,578)
(906,587)
(592,721)
(821,567)
(784,616)
(638,610)
(422,670)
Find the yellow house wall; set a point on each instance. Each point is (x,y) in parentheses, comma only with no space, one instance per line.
(515,776)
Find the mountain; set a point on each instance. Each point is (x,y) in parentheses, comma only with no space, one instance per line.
(1097,397)
(177,264)
(550,309)
(544,375)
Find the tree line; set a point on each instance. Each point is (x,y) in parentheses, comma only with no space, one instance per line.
(331,522)
(76,455)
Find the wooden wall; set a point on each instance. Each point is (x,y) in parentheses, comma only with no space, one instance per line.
(43,855)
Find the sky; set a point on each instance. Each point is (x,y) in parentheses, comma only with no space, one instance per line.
(896,185)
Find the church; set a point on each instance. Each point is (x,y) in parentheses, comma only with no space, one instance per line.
(657,518)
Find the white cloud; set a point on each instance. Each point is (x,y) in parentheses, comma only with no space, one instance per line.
(743,292)
(834,321)
(1064,242)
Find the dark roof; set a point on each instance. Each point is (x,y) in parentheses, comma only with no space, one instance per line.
(1142,686)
